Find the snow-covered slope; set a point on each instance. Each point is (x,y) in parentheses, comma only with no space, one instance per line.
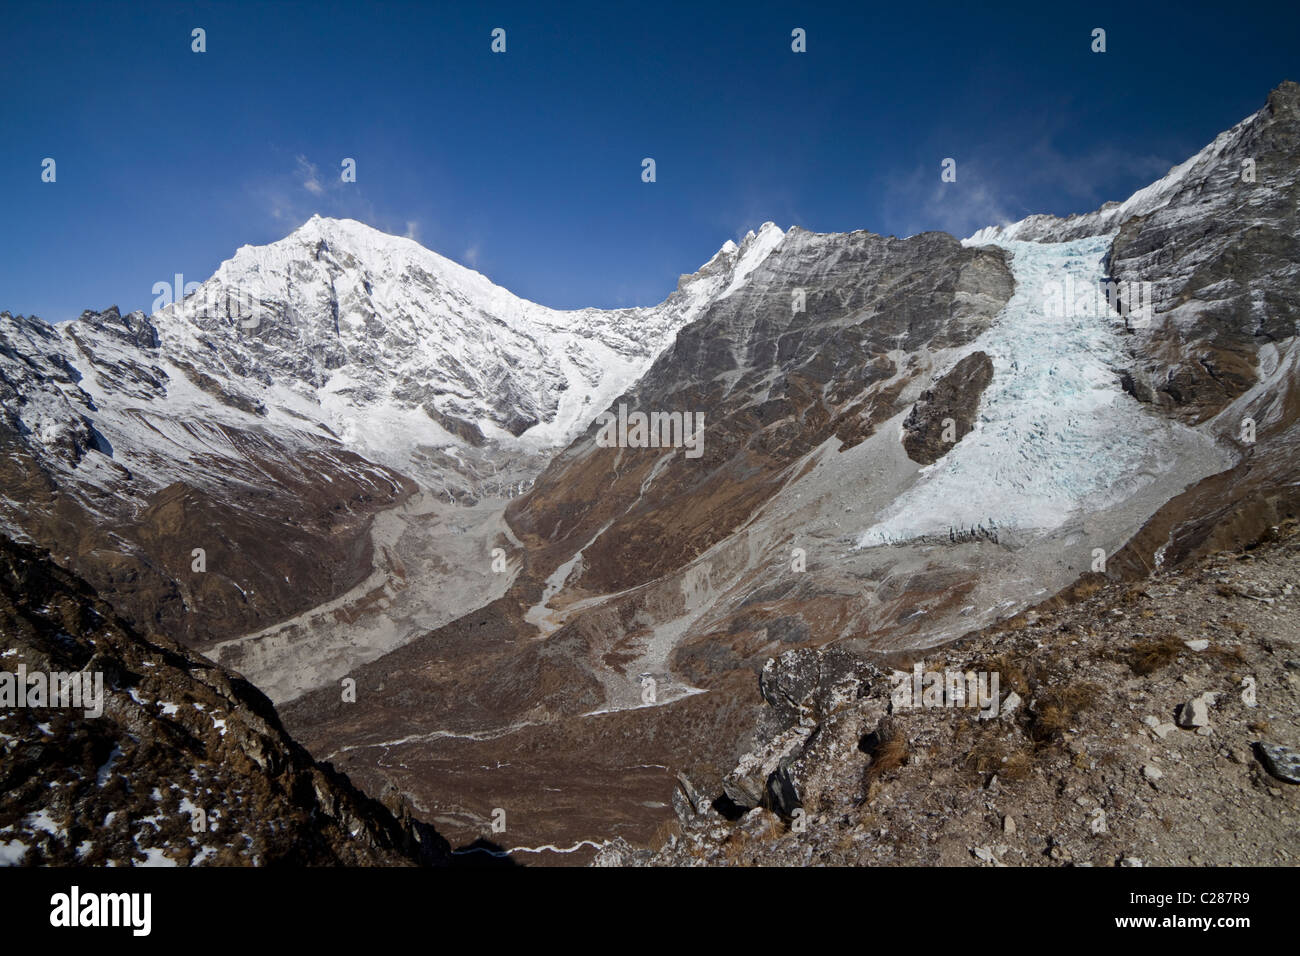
(404,354)
(344,336)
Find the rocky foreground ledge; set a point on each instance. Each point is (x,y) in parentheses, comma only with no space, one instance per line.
(1139,724)
(185,764)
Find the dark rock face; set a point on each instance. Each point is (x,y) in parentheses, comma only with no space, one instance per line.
(781,795)
(187,764)
(927,436)
(209,384)
(133,328)
(1282,762)
(467,432)
(1222,256)
(33,372)
(804,684)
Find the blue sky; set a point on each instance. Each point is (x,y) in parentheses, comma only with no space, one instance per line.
(527,165)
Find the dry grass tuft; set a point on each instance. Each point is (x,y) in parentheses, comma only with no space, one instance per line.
(1011,672)
(890,755)
(734,847)
(992,754)
(1148,656)
(1226,656)
(664,832)
(1086,587)
(888,752)
(1134,593)
(1057,707)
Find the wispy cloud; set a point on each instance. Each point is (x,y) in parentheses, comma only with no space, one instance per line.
(992,188)
(310,176)
(305,187)
(1079,176)
(923,202)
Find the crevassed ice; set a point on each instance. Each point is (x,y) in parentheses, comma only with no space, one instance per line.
(1055,432)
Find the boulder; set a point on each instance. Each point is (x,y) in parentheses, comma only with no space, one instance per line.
(1195,713)
(1282,762)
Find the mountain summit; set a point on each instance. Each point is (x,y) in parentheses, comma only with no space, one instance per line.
(400,351)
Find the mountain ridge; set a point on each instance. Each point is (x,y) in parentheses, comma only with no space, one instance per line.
(639,563)
(392,468)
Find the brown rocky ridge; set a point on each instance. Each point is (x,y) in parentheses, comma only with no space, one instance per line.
(187,764)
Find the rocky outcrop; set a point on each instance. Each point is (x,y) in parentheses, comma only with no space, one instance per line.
(1118,740)
(1282,762)
(186,765)
(947,410)
(807,691)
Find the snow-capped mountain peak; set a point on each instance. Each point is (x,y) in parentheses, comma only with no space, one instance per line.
(344,332)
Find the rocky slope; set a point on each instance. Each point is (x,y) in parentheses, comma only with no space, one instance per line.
(169,492)
(187,765)
(1155,723)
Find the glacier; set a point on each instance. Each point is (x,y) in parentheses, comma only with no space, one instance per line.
(1055,434)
